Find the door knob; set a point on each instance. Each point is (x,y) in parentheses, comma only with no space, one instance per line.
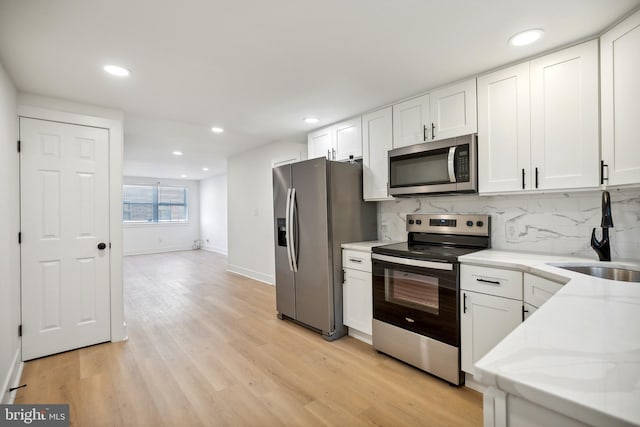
(101,245)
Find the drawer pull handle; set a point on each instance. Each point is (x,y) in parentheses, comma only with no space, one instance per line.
(492,282)
(355,260)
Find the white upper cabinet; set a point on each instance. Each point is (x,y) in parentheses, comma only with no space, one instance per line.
(337,142)
(453,110)
(377,140)
(538,123)
(348,139)
(564,118)
(320,143)
(620,73)
(410,122)
(444,113)
(504,142)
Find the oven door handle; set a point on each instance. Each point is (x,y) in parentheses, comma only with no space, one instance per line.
(413,262)
(451,163)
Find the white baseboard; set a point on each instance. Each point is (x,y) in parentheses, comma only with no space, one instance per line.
(256,275)
(362,336)
(470,382)
(222,251)
(156,251)
(12,379)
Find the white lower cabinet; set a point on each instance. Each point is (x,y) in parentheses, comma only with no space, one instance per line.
(485,321)
(490,308)
(493,302)
(357,304)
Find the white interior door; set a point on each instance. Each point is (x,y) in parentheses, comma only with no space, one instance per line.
(64,171)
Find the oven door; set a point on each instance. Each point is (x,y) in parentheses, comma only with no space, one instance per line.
(419,296)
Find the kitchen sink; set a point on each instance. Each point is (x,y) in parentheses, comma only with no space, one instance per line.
(603,272)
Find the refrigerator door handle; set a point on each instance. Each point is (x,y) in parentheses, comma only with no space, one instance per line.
(294,228)
(288,228)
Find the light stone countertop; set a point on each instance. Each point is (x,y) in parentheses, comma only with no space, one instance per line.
(578,354)
(366,246)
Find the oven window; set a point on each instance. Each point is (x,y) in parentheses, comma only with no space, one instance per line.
(412,290)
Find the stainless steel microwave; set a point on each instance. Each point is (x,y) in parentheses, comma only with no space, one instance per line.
(446,166)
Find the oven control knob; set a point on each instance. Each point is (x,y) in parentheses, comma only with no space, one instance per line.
(411,221)
(479,223)
(469,223)
(418,221)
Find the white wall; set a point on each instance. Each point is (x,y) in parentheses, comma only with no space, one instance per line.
(9,227)
(250,209)
(153,238)
(213,213)
(557,223)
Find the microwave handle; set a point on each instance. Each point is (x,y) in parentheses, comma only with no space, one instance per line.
(451,164)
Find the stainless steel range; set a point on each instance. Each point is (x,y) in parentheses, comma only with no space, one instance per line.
(416,291)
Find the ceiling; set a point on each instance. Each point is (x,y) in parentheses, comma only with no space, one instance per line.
(257,68)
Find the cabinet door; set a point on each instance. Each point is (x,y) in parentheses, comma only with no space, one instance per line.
(620,68)
(564,118)
(320,143)
(453,110)
(377,140)
(357,300)
(410,121)
(348,139)
(537,290)
(528,310)
(485,321)
(504,139)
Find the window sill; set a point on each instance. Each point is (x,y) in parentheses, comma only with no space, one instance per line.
(154,224)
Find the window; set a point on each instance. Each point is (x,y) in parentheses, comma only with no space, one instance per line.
(151,203)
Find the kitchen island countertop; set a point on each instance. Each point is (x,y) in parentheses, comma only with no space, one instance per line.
(578,354)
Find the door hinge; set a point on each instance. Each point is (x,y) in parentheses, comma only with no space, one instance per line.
(19,330)
(20,237)
(524,310)
(18,146)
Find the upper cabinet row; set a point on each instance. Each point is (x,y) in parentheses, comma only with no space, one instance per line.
(443,113)
(566,120)
(538,125)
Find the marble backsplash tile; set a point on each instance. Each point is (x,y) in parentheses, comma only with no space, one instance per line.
(558,223)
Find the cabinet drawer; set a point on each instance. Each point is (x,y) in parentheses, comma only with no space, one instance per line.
(538,290)
(491,281)
(356,260)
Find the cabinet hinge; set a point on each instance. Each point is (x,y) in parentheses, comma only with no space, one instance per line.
(19,330)
(20,237)
(18,146)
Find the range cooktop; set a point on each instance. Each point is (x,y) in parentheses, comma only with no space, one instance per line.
(441,238)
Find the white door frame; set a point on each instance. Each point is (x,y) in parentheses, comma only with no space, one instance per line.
(115,128)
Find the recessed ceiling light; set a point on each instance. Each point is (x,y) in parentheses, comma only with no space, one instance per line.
(177,153)
(217,129)
(205,169)
(311,120)
(116,70)
(183,176)
(526,37)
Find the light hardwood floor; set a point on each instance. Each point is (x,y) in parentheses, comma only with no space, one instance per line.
(205,348)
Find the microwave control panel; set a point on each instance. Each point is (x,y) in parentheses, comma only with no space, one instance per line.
(462,163)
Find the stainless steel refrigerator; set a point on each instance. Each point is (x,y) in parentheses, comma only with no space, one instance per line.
(318,206)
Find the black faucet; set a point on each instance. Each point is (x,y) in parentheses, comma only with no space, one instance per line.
(603,247)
